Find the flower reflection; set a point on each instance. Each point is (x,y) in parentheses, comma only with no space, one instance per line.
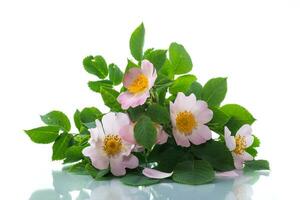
(68,186)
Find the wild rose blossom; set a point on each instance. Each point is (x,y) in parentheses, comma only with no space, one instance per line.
(138,82)
(107,148)
(189,117)
(238,144)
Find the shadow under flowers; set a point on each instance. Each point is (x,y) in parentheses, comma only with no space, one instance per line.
(67,186)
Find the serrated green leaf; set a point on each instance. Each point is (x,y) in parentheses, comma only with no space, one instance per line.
(44,134)
(60,146)
(135,113)
(156,57)
(145,132)
(96,173)
(158,114)
(96,66)
(214,91)
(57,118)
(216,153)
(257,165)
(138,180)
(89,115)
(193,172)
(115,74)
(182,84)
(97,85)
(239,116)
(73,154)
(109,97)
(130,64)
(136,42)
(218,121)
(167,70)
(77,119)
(196,89)
(180,59)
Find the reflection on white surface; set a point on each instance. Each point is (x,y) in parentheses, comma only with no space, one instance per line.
(68,186)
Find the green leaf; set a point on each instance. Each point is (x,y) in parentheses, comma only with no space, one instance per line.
(137,42)
(77,119)
(115,74)
(193,172)
(214,91)
(78,168)
(257,165)
(167,70)
(180,59)
(96,66)
(96,173)
(135,113)
(158,114)
(109,97)
(73,154)
(182,84)
(57,118)
(196,89)
(97,85)
(90,114)
(218,121)
(216,153)
(138,180)
(130,64)
(239,116)
(44,134)
(157,58)
(60,146)
(145,132)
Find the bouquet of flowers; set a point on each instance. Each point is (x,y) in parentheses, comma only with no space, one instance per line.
(159,126)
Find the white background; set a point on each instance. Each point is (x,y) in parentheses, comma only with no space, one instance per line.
(256,44)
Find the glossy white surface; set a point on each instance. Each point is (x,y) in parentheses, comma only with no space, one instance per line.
(78,187)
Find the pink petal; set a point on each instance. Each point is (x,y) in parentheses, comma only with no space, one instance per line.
(130,76)
(196,137)
(228,174)
(180,139)
(127,133)
(147,68)
(229,140)
(249,141)
(245,156)
(117,167)
(99,160)
(153,173)
(121,120)
(162,137)
(131,162)
(205,115)
(185,103)
(126,99)
(108,122)
(238,163)
(204,131)
(245,130)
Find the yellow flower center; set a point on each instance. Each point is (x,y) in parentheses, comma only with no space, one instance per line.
(240,142)
(112,145)
(185,122)
(139,84)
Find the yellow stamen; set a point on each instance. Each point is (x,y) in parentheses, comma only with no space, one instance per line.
(112,145)
(139,84)
(240,142)
(185,122)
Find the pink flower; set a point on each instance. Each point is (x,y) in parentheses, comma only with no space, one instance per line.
(138,82)
(127,134)
(189,117)
(237,144)
(107,148)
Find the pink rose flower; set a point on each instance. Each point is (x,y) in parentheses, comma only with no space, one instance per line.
(189,117)
(107,148)
(138,82)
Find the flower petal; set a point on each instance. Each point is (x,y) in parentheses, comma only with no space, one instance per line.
(180,139)
(245,130)
(245,156)
(238,163)
(127,133)
(126,99)
(249,141)
(130,161)
(147,68)
(228,174)
(153,173)
(204,115)
(98,158)
(162,137)
(117,167)
(200,135)
(130,76)
(229,140)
